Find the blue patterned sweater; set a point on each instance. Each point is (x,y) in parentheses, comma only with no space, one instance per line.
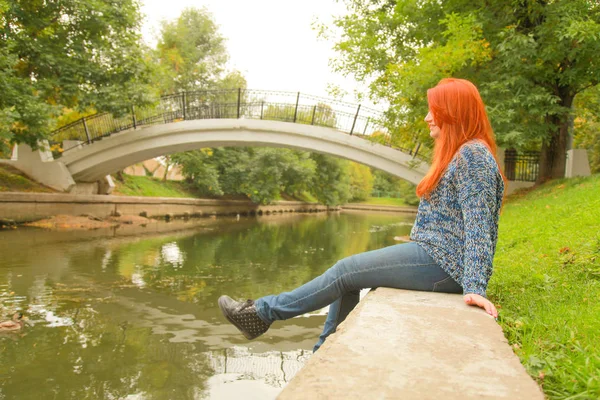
(458,225)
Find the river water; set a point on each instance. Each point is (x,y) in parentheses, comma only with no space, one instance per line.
(115,314)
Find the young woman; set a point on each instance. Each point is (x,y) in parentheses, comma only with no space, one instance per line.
(453,238)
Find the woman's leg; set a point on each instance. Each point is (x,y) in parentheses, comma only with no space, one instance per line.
(338,311)
(403,266)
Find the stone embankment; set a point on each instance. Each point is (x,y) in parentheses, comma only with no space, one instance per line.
(17,207)
(26,207)
(401,344)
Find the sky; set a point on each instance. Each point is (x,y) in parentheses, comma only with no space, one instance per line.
(270,41)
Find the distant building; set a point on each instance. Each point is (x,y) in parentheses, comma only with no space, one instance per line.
(155,168)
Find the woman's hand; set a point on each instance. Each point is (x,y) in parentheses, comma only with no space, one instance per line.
(480,301)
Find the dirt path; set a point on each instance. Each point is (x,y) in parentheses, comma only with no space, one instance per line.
(62,222)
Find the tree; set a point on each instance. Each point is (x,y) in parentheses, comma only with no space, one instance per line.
(390,185)
(191,52)
(67,53)
(332,181)
(199,170)
(530,59)
(361,181)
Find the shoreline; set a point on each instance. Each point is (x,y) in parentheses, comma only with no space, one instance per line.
(67,211)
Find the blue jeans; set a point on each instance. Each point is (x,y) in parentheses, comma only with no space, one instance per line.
(402,266)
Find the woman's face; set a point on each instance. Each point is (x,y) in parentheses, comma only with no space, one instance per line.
(434,130)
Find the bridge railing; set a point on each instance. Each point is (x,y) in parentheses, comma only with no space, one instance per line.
(353,119)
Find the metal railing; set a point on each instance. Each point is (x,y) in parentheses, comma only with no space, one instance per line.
(523,166)
(293,107)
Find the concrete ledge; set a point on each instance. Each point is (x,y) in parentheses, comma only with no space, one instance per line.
(24,207)
(414,345)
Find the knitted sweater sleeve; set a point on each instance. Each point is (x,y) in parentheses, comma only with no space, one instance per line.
(476,181)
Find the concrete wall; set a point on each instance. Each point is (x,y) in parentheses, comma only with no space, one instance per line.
(577,163)
(23,207)
(41,166)
(403,344)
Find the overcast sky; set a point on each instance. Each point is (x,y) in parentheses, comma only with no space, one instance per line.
(270,41)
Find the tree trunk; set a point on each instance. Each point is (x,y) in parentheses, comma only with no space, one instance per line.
(553,157)
(166,172)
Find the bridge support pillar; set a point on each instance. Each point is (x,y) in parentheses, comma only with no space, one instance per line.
(106,185)
(41,166)
(577,163)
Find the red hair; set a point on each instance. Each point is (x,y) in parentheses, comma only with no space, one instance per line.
(459,112)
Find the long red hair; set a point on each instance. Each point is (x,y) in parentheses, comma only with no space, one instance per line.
(459,112)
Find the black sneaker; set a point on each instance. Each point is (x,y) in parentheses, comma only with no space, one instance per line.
(243,316)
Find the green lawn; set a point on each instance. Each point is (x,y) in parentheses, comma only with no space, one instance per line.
(547,282)
(150,187)
(13,180)
(384,201)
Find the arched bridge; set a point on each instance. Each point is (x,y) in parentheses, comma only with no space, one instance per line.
(118,151)
(101,144)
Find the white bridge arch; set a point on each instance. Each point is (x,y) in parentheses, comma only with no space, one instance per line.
(113,153)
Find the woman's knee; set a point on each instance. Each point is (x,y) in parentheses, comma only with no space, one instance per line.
(340,274)
(345,265)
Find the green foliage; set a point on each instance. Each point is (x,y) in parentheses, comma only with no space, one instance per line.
(332,181)
(409,192)
(70,53)
(261,174)
(547,282)
(264,181)
(387,184)
(361,181)
(320,114)
(232,166)
(384,182)
(191,53)
(299,173)
(529,58)
(232,80)
(199,170)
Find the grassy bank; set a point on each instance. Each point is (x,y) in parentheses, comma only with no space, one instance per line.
(384,201)
(150,187)
(547,283)
(13,180)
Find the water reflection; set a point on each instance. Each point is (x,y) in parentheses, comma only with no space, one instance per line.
(237,369)
(136,317)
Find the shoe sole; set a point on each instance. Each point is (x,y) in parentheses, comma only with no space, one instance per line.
(226,315)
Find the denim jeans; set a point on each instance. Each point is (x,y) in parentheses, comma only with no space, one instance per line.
(402,266)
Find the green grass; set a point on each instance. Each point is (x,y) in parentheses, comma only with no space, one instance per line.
(306,197)
(150,187)
(384,201)
(13,180)
(547,283)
